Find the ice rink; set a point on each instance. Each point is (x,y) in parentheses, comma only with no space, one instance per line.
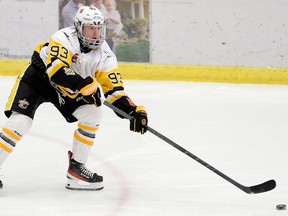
(242,130)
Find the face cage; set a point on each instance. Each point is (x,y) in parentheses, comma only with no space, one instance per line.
(88,42)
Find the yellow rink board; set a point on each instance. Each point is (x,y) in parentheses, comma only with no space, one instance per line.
(131,71)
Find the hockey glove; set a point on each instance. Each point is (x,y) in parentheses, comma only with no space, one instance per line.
(90,91)
(139,121)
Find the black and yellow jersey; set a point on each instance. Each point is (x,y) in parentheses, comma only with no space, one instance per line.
(67,66)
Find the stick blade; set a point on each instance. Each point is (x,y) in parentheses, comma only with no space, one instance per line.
(261,188)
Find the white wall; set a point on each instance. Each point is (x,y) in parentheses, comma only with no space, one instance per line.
(250,33)
(24,24)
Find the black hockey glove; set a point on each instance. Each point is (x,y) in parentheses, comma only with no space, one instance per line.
(90,91)
(139,121)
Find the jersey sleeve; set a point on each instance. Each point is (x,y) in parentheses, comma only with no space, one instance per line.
(59,61)
(36,59)
(113,88)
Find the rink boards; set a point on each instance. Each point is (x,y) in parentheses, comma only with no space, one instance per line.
(134,71)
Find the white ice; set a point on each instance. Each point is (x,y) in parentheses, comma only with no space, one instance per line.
(242,130)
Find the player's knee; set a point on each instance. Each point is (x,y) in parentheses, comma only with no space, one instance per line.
(89,115)
(19,123)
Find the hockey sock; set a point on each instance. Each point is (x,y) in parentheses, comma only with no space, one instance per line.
(83,140)
(13,130)
(8,140)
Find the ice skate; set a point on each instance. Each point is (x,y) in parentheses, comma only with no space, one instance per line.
(80,178)
(1,184)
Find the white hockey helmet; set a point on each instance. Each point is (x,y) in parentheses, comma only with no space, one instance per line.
(89,15)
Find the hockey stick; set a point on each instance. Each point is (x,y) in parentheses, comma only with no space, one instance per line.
(260,188)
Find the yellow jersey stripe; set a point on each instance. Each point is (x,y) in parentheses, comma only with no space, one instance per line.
(67,93)
(113,98)
(55,66)
(13,93)
(40,46)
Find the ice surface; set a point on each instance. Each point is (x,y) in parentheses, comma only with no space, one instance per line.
(239,129)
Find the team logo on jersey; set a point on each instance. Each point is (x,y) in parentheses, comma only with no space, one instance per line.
(69,71)
(75,57)
(60,99)
(23,104)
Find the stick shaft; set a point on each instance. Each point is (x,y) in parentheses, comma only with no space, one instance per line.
(266,186)
(175,145)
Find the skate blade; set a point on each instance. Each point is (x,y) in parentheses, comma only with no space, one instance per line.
(73,184)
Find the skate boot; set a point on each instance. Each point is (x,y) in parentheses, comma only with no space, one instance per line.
(80,178)
(1,184)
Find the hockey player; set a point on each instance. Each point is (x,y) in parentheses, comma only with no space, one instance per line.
(68,72)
